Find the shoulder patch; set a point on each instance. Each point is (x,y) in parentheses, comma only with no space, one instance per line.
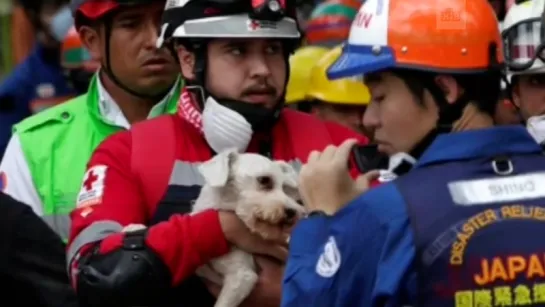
(92,187)
(330,260)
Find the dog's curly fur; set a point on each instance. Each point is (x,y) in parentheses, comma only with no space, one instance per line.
(257,190)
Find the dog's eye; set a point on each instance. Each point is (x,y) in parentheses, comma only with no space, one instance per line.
(265,182)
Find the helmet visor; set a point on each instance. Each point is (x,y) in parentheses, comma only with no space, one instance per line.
(523,45)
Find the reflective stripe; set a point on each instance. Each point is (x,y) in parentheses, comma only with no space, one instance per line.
(60,223)
(93,233)
(183,174)
(187,173)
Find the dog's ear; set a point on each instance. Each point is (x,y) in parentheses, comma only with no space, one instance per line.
(289,171)
(286,167)
(216,170)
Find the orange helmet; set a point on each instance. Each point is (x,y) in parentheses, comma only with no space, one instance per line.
(440,36)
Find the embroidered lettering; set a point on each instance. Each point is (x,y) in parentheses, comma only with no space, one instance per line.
(467,230)
(475,223)
(511,188)
(510,268)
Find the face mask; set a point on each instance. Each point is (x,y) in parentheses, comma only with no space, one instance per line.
(224,128)
(536,127)
(61,23)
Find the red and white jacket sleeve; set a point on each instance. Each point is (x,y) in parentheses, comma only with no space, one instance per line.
(111,199)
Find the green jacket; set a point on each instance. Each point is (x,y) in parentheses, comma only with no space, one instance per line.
(57,144)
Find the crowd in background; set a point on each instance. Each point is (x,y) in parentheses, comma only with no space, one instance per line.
(46,73)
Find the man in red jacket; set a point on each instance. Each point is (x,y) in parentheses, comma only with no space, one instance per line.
(235,61)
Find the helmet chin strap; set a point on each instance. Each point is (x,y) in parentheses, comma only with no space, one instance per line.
(107,68)
(448,114)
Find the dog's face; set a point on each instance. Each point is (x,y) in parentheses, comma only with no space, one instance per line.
(261,189)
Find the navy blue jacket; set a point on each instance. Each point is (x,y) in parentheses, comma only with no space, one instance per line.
(35,84)
(432,237)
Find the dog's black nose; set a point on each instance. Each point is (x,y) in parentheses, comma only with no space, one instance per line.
(290,213)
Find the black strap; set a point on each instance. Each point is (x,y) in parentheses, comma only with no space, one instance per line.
(403,168)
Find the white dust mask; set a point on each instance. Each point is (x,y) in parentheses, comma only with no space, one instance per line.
(224,128)
(536,127)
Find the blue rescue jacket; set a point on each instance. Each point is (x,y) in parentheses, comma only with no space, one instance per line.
(33,85)
(464,228)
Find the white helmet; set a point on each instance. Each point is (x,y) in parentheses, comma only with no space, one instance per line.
(205,19)
(522,38)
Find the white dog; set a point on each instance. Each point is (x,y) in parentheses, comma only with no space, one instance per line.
(256,189)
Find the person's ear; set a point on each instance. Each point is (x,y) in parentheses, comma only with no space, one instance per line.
(187,62)
(450,87)
(91,40)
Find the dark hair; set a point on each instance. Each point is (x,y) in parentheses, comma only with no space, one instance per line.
(481,89)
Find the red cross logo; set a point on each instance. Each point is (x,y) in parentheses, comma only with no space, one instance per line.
(254,25)
(91,178)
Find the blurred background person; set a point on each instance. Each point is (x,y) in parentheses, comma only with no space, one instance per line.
(79,67)
(329,23)
(506,112)
(38,82)
(309,90)
(301,63)
(22,33)
(525,68)
(304,9)
(46,157)
(342,101)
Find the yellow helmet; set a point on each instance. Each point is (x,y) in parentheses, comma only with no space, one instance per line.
(341,91)
(301,63)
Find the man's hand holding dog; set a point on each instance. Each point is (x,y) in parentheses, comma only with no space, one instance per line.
(268,290)
(325,183)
